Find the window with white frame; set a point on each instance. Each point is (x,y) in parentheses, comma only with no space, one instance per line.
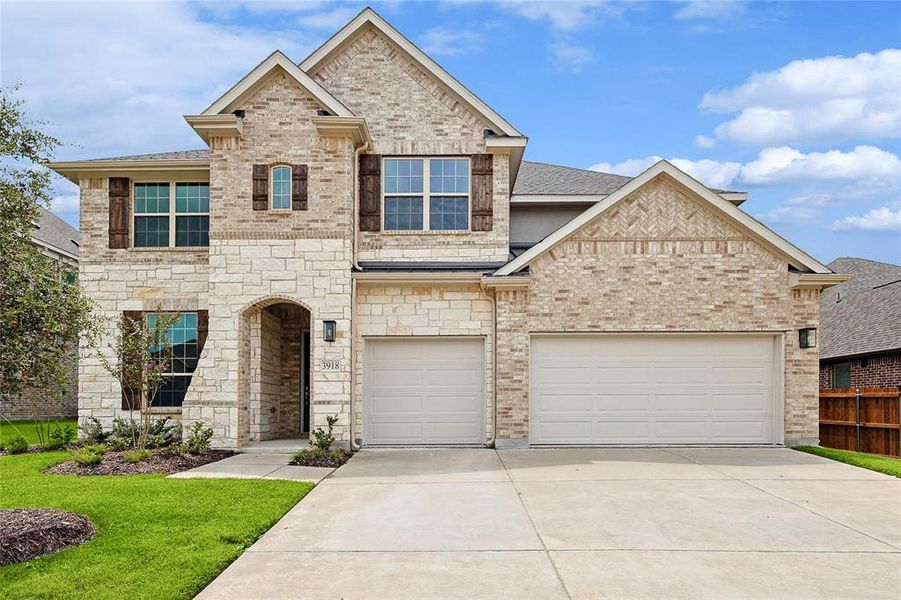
(280,191)
(182,336)
(171,214)
(426,194)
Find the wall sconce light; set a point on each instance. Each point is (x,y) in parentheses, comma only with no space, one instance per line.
(328,331)
(807,337)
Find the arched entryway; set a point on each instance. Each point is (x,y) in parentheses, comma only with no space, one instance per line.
(275,370)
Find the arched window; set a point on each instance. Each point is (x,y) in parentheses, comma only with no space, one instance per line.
(281,187)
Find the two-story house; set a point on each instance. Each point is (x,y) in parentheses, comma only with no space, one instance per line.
(363,238)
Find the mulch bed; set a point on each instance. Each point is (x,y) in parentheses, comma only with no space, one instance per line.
(160,463)
(32,532)
(333,460)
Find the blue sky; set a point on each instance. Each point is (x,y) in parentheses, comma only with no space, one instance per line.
(797,103)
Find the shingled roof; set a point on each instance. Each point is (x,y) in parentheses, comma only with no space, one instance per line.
(55,233)
(862,315)
(179,155)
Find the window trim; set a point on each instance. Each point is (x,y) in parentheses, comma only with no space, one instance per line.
(426,194)
(841,364)
(171,214)
(272,169)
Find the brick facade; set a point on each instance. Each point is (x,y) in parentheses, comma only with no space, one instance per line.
(882,370)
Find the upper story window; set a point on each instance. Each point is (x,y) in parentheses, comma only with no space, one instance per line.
(281,187)
(171,214)
(426,194)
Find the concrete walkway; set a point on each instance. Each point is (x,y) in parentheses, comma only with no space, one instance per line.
(582,523)
(256,466)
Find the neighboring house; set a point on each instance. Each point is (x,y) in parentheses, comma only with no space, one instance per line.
(60,241)
(860,326)
(362,238)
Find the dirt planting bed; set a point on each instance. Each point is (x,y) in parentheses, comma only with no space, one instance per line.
(29,533)
(114,463)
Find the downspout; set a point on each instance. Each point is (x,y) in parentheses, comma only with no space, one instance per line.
(355,187)
(493,297)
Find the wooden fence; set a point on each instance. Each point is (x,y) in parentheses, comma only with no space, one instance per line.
(861,419)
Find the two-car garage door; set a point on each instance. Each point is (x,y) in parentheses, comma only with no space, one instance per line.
(653,389)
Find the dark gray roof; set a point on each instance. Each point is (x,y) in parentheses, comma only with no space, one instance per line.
(862,315)
(56,233)
(542,178)
(179,155)
(372,266)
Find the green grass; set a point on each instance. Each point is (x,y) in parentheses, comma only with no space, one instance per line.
(155,537)
(874,462)
(11,429)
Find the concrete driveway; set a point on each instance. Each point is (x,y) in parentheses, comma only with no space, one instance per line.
(582,523)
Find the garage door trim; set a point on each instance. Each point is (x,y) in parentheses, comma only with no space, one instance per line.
(778,379)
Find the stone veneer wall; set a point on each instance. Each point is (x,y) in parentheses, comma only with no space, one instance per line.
(424,310)
(266,372)
(409,112)
(658,261)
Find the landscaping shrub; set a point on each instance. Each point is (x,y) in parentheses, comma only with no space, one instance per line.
(317,457)
(117,444)
(96,448)
(324,440)
(17,445)
(92,431)
(198,440)
(136,456)
(160,433)
(59,436)
(86,458)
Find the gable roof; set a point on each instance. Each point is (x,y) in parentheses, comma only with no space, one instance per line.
(863,315)
(543,178)
(250,82)
(794,255)
(369,17)
(54,233)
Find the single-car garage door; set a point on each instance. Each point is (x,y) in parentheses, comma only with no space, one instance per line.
(425,391)
(653,389)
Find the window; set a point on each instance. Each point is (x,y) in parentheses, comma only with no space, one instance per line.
(183,337)
(443,205)
(841,375)
(171,215)
(281,188)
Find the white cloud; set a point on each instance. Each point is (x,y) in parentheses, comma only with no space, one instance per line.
(819,100)
(566,15)
(787,213)
(709,9)
(702,141)
(709,172)
(884,218)
(447,42)
(787,165)
(570,57)
(332,20)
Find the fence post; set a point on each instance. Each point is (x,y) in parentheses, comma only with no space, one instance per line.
(857,416)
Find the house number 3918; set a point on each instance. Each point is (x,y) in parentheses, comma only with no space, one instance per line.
(331,365)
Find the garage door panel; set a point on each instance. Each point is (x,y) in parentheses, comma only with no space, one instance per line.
(425,391)
(652,389)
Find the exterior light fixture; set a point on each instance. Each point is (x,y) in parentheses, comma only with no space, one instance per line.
(328,331)
(807,337)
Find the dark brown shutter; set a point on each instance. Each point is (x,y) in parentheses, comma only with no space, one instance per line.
(482,192)
(298,187)
(370,192)
(203,328)
(261,187)
(118,212)
(131,391)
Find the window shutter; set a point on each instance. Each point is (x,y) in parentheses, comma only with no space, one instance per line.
(118,212)
(261,187)
(131,391)
(482,192)
(203,328)
(370,192)
(298,187)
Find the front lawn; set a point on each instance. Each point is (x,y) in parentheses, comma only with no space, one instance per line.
(155,537)
(874,462)
(11,429)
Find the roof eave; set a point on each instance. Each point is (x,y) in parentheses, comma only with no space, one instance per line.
(72,170)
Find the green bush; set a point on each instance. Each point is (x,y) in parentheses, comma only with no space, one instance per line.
(53,444)
(96,448)
(322,439)
(86,458)
(136,456)
(118,444)
(59,436)
(17,445)
(92,431)
(160,433)
(198,441)
(338,454)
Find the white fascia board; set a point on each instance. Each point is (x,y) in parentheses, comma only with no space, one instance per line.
(73,169)
(370,17)
(278,59)
(819,281)
(796,257)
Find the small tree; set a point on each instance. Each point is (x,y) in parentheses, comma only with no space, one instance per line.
(143,357)
(43,313)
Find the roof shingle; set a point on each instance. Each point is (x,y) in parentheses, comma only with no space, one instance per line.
(56,233)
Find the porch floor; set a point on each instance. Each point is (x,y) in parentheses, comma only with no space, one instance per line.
(276,446)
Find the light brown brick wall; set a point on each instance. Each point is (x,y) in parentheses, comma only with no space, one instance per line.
(658,261)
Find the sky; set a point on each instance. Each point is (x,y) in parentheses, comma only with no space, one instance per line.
(797,103)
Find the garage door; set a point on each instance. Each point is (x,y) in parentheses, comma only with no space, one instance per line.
(425,391)
(653,389)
